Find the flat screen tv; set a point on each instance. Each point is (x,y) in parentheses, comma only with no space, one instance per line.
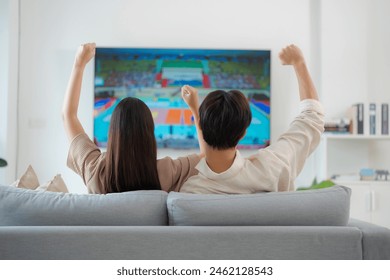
(156,75)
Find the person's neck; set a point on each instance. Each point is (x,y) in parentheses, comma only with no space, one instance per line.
(219,160)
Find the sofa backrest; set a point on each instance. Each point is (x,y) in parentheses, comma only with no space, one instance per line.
(323,207)
(23,207)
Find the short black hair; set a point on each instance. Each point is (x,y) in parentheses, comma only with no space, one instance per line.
(224,118)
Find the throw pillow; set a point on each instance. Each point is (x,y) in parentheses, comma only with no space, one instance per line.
(29,180)
(55,185)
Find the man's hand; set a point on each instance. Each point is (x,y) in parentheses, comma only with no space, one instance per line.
(190,96)
(84,54)
(291,55)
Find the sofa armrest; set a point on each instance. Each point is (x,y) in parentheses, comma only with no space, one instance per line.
(376,240)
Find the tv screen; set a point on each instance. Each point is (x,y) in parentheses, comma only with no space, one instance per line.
(156,76)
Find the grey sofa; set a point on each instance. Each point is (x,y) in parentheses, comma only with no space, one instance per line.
(156,225)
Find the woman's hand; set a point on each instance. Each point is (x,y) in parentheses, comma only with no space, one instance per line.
(84,54)
(291,55)
(190,96)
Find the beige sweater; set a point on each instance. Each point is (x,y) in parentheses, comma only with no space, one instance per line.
(86,159)
(271,169)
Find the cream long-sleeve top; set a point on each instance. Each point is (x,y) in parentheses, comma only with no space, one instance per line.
(271,169)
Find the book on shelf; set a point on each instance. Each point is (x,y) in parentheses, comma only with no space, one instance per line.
(338,126)
(369,119)
(358,118)
(385,119)
(372,118)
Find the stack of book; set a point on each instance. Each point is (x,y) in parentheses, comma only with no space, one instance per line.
(370,119)
(341,126)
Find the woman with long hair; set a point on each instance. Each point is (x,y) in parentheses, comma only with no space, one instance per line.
(130,162)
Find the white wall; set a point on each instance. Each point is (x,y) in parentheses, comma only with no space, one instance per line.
(4,32)
(52,30)
(344,50)
(355,42)
(355,67)
(9,26)
(379,51)
(346,43)
(379,72)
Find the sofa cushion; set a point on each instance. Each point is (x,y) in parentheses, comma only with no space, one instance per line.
(323,207)
(23,207)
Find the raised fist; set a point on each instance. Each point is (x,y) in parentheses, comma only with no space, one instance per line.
(190,96)
(291,55)
(85,53)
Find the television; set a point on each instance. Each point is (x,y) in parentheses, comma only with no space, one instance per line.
(156,76)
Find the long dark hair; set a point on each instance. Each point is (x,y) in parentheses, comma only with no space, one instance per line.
(131,149)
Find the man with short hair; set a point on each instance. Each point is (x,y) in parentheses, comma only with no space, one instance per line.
(223,120)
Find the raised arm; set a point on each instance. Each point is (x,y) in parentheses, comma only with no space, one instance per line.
(72,124)
(190,96)
(292,55)
(289,152)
